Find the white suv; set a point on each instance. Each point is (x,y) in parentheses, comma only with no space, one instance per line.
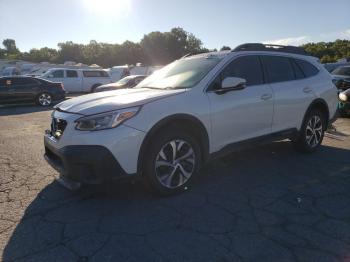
(192,110)
(78,80)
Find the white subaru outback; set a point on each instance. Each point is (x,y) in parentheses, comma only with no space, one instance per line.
(189,112)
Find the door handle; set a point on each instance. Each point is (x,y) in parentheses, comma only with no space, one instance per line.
(266,96)
(307,90)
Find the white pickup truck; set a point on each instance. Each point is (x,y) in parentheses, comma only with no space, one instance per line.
(78,80)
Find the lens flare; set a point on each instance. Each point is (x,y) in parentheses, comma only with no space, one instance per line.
(116,8)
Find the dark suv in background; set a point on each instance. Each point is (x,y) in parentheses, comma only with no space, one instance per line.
(30,89)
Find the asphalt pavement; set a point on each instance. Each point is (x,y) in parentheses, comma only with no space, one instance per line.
(269,203)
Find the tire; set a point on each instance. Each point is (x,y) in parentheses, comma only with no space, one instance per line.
(93,88)
(165,175)
(44,99)
(311,134)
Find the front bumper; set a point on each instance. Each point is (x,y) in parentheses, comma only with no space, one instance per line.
(344,107)
(88,164)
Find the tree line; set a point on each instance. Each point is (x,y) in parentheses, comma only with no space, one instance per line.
(329,52)
(155,48)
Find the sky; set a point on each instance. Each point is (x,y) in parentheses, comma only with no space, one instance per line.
(40,23)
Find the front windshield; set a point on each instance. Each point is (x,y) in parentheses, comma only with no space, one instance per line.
(345,71)
(184,73)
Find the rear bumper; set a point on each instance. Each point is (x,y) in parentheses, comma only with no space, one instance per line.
(88,164)
(59,96)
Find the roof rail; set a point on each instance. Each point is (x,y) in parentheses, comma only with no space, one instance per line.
(271,48)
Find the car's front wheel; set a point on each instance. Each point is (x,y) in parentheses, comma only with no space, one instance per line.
(172,162)
(312,132)
(44,99)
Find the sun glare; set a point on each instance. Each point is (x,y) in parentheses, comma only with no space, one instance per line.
(119,8)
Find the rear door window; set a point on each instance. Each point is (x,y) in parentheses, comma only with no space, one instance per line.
(71,73)
(278,68)
(308,69)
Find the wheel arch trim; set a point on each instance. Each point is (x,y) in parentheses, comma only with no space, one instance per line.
(316,103)
(167,121)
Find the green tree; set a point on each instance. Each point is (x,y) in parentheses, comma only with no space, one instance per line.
(194,44)
(70,51)
(44,54)
(224,48)
(329,51)
(11,50)
(155,48)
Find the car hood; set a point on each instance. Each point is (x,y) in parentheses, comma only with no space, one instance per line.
(341,77)
(112,100)
(110,85)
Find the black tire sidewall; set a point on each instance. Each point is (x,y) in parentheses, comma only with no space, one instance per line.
(152,151)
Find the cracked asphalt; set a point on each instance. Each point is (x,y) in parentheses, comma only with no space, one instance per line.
(268,203)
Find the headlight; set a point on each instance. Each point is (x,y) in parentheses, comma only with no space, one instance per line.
(106,120)
(343,97)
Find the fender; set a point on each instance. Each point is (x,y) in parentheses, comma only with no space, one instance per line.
(197,127)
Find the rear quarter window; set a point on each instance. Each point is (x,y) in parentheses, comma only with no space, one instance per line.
(307,68)
(299,74)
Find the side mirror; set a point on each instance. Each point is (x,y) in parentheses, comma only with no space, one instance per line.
(232,83)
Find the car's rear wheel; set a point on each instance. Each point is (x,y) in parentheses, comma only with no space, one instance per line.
(44,99)
(312,132)
(172,162)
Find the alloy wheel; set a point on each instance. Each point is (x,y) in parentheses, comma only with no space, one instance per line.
(314,129)
(175,163)
(44,99)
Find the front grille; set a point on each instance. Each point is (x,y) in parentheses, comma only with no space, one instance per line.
(57,127)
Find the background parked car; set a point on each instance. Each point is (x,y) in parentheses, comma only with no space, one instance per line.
(78,80)
(341,77)
(332,66)
(29,89)
(119,72)
(10,71)
(126,82)
(344,104)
